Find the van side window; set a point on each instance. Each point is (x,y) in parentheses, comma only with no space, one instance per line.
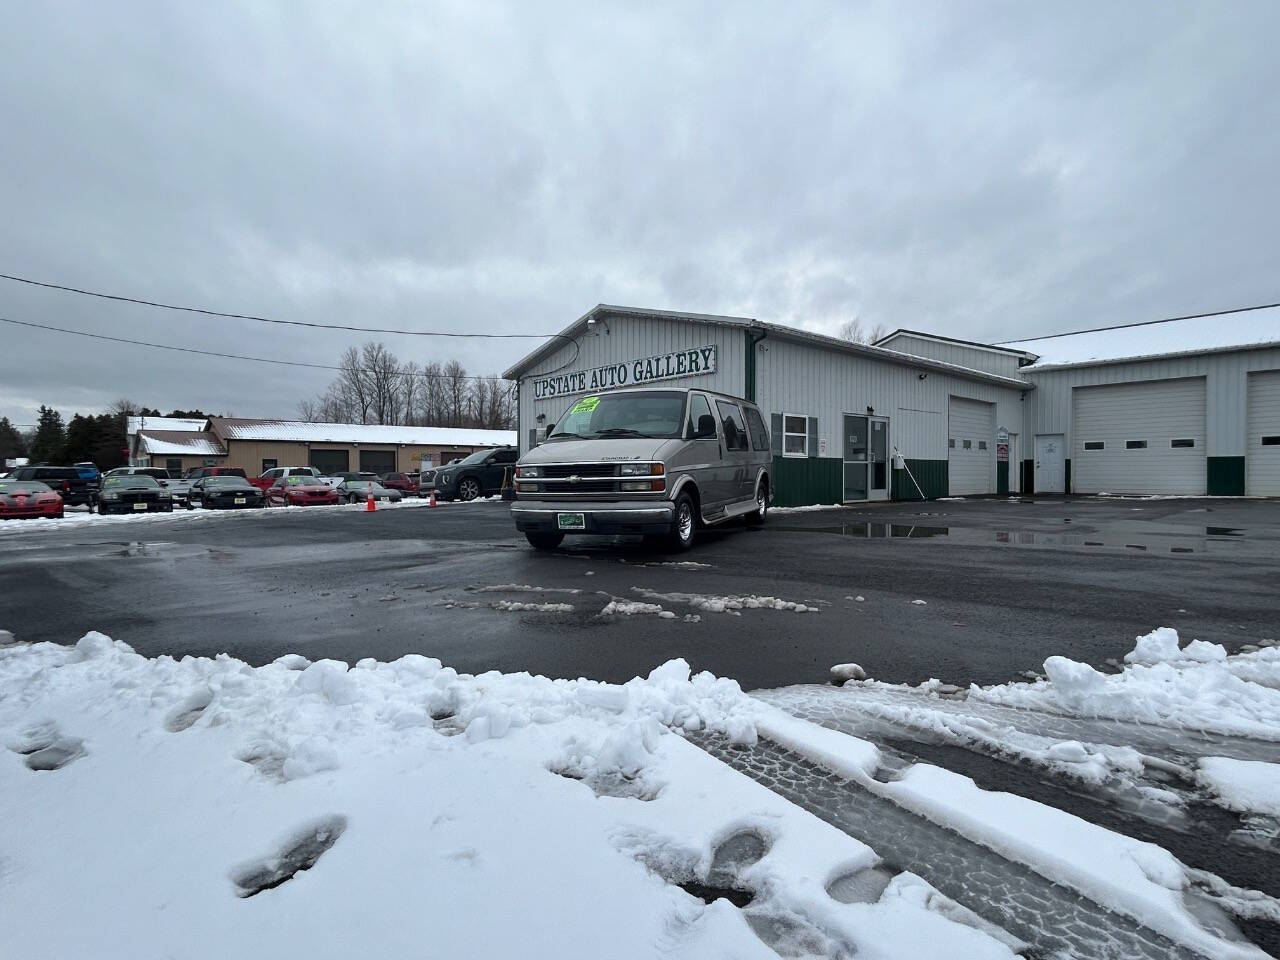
(755,426)
(698,407)
(735,435)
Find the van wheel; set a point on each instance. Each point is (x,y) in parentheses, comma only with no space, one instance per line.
(758,515)
(544,541)
(685,530)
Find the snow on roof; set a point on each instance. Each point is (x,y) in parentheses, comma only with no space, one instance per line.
(176,443)
(303,432)
(1213,332)
(179,424)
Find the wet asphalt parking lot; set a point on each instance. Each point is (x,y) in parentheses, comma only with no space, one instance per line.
(1005,584)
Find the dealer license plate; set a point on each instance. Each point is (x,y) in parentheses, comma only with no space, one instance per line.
(139,506)
(240,500)
(571,521)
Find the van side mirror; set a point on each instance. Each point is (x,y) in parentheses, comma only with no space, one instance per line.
(706,428)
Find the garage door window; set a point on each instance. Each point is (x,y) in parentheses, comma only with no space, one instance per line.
(1135,444)
(1095,445)
(951,443)
(982,444)
(795,436)
(1184,442)
(968,444)
(1271,441)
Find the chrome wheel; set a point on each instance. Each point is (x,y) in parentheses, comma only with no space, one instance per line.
(686,523)
(756,516)
(469,489)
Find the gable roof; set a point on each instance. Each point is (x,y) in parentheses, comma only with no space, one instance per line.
(151,424)
(301,431)
(776,330)
(993,347)
(1203,333)
(178,443)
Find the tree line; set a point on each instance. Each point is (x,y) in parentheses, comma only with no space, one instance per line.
(373,385)
(85,438)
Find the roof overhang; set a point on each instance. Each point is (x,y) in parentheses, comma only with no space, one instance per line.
(972,344)
(1151,357)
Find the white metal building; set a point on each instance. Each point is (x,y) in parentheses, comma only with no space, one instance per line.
(838,411)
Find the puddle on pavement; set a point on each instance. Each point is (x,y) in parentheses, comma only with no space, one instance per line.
(868,530)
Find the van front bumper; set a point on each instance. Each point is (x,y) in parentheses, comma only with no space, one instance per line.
(613,518)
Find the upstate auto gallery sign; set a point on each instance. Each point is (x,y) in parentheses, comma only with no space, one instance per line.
(666,366)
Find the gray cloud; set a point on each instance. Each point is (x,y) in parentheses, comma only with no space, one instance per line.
(986,170)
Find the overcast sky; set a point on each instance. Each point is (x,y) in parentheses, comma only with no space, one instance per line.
(987,171)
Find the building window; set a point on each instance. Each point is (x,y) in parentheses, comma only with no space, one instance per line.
(269,465)
(795,436)
(1184,442)
(1095,445)
(1135,444)
(982,444)
(1271,441)
(174,466)
(968,444)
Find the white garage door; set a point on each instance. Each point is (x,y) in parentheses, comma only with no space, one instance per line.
(1262,463)
(1139,438)
(971,442)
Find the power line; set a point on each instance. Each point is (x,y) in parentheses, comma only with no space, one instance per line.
(289,323)
(233,356)
(1143,323)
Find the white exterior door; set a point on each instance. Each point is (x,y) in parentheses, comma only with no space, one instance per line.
(971,443)
(1146,437)
(1262,454)
(1050,474)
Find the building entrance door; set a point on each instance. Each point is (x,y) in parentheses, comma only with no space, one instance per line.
(866,458)
(1050,473)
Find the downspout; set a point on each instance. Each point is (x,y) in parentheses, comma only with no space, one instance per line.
(753,338)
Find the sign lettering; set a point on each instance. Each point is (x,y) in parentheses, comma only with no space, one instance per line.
(680,363)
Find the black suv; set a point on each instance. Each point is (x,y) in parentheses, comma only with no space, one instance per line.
(66,481)
(479,475)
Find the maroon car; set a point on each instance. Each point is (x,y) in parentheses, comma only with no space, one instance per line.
(28,498)
(300,491)
(403,482)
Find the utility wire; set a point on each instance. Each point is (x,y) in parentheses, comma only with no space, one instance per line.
(232,356)
(290,323)
(1141,323)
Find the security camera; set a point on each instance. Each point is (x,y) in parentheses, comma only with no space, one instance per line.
(923,376)
(591,323)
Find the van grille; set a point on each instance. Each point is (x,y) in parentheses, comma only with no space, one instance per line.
(562,470)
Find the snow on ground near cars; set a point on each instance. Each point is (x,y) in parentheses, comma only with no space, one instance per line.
(206,808)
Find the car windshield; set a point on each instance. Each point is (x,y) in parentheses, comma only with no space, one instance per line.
(644,413)
(478,457)
(225,482)
(132,481)
(23,486)
(299,481)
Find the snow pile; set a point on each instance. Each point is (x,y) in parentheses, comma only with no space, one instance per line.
(518,606)
(1197,687)
(730,604)
(1249,786)
(204,808)
(630,608)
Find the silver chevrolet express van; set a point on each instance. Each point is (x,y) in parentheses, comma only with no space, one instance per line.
(656,462)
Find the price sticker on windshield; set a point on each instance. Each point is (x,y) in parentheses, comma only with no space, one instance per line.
(586,405)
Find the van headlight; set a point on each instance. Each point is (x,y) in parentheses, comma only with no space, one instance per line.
(111,496)
(641,470)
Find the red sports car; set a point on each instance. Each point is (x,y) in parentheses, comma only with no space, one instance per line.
(28,498)
(300,492)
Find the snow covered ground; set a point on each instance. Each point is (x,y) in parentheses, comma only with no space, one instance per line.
(206,808)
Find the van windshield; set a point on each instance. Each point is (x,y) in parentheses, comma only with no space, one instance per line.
(644,413)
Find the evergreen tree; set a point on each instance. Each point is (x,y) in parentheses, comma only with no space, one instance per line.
(81,435)
(12,443)
(109,449)
(49,443)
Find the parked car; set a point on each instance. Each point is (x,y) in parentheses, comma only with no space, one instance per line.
(88,470)
(406,483)
(357,491)
(179,488)
(660,463)
(427,478)
(197,473)
(479,475)
(67,482)
(300,491)
(226,493)
(267,478)
(334,479)
(133,493)
(28,498)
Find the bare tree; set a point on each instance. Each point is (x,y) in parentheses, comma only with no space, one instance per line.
(457,395)
(381,374)
(411,390)
(853,331)
(309,410)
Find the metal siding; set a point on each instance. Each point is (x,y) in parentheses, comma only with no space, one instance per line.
(1225,376)
(633,338)
(971,471)
(1155,412)
(802,379)
(1262,464)
(1004,365)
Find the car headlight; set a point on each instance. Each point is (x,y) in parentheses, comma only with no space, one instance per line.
(528,473)
(641,470)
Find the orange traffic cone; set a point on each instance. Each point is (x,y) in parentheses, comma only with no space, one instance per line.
(369,506)
(432,501)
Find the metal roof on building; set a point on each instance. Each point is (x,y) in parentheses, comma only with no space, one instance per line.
(299,431)
(172,424)
(771,329)
(178,443)
(1209,333)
